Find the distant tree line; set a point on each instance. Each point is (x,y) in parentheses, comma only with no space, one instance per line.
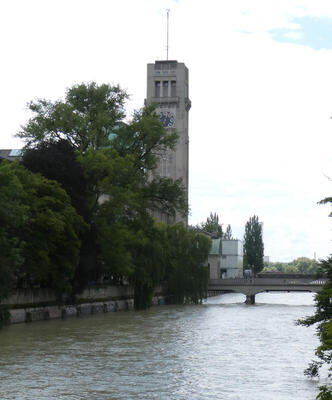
(301,265)
(78,207)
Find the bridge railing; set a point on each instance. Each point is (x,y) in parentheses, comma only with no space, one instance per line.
(266,281)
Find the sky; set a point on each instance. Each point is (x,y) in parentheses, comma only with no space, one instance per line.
(260,84)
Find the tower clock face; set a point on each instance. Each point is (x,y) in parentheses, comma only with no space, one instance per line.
(167,118)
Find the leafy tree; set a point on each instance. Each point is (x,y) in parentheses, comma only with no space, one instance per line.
(44,236)
(113,163)
(169,255)
(86,184)
(228,234)
(186,271)
(122,199)
(144,138)
(12,218)
(113,202)
(51,239)
(90,118)
(57,161)
(149,258)
(212,225)
(253,247)
(323,318)
(85,119)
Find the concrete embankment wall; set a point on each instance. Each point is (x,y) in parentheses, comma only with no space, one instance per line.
(40,304)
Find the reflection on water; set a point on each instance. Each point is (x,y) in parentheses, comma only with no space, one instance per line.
(222,349)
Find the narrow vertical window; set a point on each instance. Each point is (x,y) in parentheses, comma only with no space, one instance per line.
(164,165)
(157,89)
(165,89)
(173,88)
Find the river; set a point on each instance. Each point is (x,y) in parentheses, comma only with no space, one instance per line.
(222,349)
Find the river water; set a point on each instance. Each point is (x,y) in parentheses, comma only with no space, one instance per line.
(222,349)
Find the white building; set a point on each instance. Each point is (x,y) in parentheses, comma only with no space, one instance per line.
(226,259)
(232,259)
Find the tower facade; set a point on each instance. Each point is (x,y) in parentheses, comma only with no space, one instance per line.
(168,89)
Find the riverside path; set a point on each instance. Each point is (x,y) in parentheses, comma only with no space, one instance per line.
(251,286)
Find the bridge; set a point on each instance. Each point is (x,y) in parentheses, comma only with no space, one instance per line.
(251,286)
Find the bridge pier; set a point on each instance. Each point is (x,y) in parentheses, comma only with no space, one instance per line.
(250,299)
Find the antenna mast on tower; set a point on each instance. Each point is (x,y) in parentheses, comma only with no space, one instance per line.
(167,46)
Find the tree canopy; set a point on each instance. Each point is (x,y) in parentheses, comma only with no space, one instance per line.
(12,218)
(228,235)
(39,233)
(186,270)
(323,319)
(85,119)
(107,166)
(253,246)
(212,225)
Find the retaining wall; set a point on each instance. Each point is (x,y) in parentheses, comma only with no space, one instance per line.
(40,304)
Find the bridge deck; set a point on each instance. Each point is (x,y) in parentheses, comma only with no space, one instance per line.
(251,286)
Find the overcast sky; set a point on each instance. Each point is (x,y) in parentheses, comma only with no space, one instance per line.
(260,85)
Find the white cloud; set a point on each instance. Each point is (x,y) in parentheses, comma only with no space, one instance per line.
(294,35)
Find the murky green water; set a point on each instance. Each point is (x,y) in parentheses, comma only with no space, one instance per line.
(223,350)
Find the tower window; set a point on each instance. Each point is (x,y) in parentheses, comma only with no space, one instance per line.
(164,165)
(157,89)
(165,88)
(173,88)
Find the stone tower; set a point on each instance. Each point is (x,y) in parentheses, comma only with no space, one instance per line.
(168,88)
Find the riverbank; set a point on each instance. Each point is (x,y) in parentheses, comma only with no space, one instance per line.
(41,304)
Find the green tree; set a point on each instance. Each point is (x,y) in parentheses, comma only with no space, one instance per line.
(148,251)
(144,137)
(57,161)
(43,240)
(186,268)
(118,161)
(253,246)
(323,319)
(171,256)
(212,225)
(86,179)
(85,118)
(51,234)
(12,219)
(56,136)
(228,234)
(91,119)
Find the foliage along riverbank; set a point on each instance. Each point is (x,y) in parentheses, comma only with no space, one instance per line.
(78,207)
(323,321)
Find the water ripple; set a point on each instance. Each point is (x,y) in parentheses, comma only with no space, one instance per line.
(223,350)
